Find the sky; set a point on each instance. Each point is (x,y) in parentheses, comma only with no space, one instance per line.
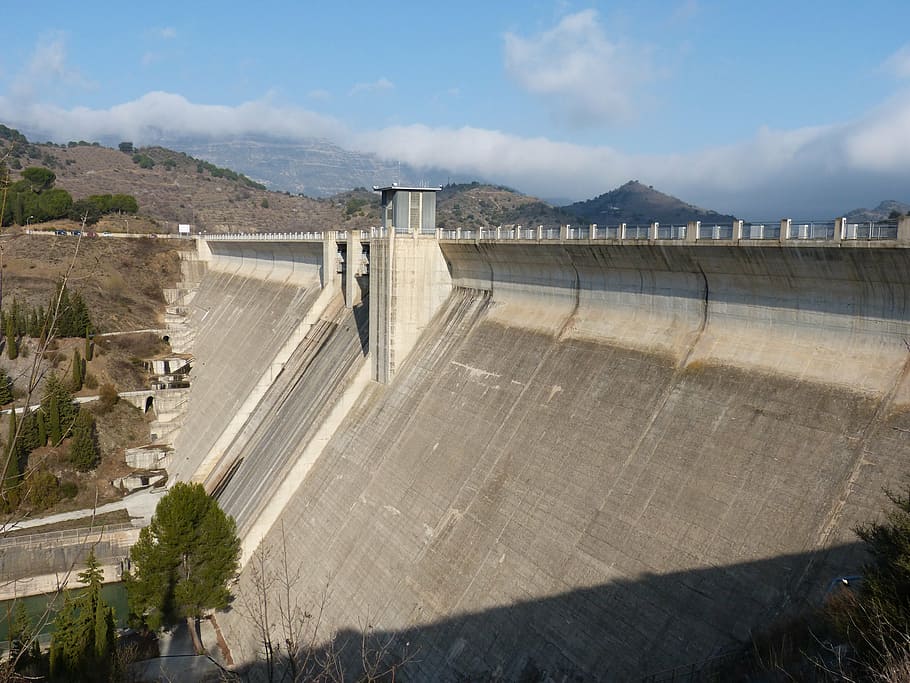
(761,109)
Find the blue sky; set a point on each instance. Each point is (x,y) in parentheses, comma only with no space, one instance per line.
(757,108)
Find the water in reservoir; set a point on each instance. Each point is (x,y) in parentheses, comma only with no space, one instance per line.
(36,606)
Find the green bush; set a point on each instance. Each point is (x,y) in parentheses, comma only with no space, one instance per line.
(68,489)
(42,490)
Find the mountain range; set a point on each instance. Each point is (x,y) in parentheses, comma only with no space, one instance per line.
(313,167)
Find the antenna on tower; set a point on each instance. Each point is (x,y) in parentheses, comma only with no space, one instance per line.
(398,179)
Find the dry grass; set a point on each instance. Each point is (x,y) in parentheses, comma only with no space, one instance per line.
(121,280)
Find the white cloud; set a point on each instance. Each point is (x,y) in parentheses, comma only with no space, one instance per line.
(808,172)
(898,64)
(160,113)
(167,33)
(376,86)
(48,69)
(586,78)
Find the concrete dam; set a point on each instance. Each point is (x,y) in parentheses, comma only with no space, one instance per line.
(510,457)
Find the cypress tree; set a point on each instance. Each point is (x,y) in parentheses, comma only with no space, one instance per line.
(54,419)
(12,348)
(81,320)
(77,370)
(64,312)
(59,408)
(11,437)
(84,452)
(11,469)
(89,346)
(6,388)
(42,428)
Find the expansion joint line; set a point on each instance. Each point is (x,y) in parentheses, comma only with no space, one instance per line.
(567,325)
(704,321)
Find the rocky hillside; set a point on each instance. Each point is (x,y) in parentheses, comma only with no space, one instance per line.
(636,203)
(886,210)
(315,168)
(173,187)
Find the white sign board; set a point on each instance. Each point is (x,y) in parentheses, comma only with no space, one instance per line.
(183,228)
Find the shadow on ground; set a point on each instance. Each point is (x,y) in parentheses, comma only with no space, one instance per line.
(679,626)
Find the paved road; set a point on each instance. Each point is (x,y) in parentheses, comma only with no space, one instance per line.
(140,505)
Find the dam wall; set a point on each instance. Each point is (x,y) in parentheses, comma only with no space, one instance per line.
(604,460)
(251,309)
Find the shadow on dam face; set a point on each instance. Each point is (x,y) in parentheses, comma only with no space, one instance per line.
(620,631)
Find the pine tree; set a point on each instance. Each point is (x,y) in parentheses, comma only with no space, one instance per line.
(83,641)
(84,451)
(23,640)
(184,559)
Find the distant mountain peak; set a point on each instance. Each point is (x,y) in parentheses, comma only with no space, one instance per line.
(882,212)
(635,202)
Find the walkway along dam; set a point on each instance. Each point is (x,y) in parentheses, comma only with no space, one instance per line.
(600,452)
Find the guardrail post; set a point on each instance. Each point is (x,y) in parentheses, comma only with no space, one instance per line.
(903,229)
(563,232)
(539,232)
(737,230)
(593,232)
(652,233)
(692,231)
(621,232)
(840,229)
(457,233)
(517,233)
(785,226)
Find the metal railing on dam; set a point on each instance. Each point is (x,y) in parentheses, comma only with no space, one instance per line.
(312,236)
(787,230)
(839,230)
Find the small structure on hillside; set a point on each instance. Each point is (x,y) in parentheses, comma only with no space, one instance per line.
(170,372)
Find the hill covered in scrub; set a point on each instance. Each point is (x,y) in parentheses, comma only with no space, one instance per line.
(637,203)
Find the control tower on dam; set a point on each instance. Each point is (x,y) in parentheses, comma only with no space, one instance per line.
(601,452)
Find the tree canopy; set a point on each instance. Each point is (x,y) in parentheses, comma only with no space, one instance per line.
(880,619)
(83,639)
(184,560)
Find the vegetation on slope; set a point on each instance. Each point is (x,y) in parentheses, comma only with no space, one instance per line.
(474,205)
